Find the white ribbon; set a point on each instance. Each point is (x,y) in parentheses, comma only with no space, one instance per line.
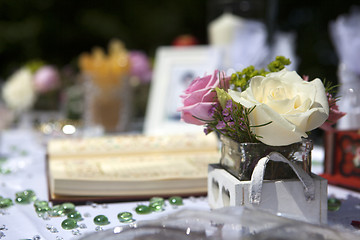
(257,177)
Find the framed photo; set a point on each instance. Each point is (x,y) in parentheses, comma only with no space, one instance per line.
(174,69)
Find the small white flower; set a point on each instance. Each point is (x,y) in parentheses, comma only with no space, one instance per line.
(18,91)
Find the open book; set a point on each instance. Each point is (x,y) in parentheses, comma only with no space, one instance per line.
(129,167)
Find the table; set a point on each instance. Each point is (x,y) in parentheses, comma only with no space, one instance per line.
(25,150)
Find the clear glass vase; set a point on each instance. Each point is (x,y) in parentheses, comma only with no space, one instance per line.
(240,158)
(108,106)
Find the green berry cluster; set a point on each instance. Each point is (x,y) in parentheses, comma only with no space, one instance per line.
(241,79)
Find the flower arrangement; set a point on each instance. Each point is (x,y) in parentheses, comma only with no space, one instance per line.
(25,85)
(276,106)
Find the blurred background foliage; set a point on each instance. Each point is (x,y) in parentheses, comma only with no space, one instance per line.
(58,31)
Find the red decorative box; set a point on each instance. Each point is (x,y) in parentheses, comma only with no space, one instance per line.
(342,159)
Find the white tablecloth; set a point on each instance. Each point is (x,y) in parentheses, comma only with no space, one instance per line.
(26,152)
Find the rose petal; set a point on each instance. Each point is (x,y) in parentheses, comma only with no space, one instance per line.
(237,97)
(200,110)
(202,83)
(197,83)
(279,132)
(304,120)
(188,118)
(203,95)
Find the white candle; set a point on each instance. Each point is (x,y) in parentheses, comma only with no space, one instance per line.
(222,30)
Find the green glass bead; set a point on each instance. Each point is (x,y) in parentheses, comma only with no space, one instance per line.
(5,170)
(21,200)
(101,220)
(56,211)
(25,197)
(42,209)
(30,193)
(41,203)
(334,204)
(176,201)
(142,209)
(75,215)
(6,202)
(68,207)
(156,207)
(157,200)
(24,153)
(69,224)
(125,217)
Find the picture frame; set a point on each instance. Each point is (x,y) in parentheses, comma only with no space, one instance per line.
(174,69)
(342,158)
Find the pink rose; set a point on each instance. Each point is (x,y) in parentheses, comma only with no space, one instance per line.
(200,96)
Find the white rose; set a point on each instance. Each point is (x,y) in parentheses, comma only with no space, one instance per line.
(18,91)
(292,105)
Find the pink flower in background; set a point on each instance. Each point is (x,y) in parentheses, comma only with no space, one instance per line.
(140,66)
(47,78)
(199,98)
(334,114)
